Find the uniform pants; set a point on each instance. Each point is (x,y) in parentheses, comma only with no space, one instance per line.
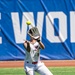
(40,68)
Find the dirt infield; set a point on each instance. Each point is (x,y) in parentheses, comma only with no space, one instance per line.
(48,63)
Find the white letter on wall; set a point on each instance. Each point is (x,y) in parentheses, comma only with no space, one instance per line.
(72,26)
(40,18)
(20,33)
(62,27)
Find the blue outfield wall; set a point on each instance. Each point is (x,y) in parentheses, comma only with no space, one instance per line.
(55,20)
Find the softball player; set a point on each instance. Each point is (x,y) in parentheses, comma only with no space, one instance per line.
(32,61)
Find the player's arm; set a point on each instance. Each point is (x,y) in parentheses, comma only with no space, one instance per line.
(41,45)
(27,45)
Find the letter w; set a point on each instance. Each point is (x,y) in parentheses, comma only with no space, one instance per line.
(20,32)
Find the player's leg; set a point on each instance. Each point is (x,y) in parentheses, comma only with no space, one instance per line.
(30,72)
(43,70)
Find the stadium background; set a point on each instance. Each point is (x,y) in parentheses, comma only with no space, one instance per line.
(53,18)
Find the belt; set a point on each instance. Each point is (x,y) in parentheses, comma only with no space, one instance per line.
(33,62)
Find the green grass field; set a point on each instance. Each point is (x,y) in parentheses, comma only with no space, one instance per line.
(54,70)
